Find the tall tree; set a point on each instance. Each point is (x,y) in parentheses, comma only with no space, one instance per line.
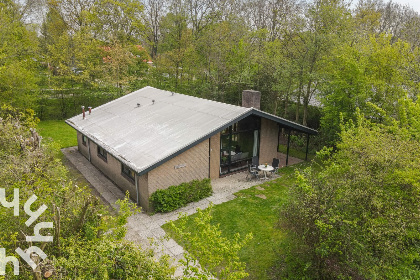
(18,58)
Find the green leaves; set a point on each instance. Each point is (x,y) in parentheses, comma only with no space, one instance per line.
(358,216)
(217,255)
(175,197)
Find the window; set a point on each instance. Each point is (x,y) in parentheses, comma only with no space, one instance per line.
(84,139)
(102,153)
(127,172)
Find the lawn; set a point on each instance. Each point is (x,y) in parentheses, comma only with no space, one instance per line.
(296,153)
(249,213)
(59,131)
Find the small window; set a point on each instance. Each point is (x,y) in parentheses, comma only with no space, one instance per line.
(127,172)
(102,153)
(84,139)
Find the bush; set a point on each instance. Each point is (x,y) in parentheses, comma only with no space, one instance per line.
(176,197)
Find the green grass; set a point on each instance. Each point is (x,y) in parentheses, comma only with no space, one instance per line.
(248,213)
(295,153)
(59,131)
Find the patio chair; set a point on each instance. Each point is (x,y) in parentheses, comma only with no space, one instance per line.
(255,161)
(252,173)
(275,164)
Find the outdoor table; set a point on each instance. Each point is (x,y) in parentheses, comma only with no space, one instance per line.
(266,169)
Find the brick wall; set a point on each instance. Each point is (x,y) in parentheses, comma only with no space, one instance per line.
(144,195)
(196,161)
(215,156)
(112,169)
(268,141)
(82,148)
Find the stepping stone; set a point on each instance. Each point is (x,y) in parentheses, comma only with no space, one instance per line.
(260,188)
(261,196)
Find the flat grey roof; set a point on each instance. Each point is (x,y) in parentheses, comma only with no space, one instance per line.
(145,136)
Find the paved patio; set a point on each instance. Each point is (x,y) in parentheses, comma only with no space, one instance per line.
(143,228)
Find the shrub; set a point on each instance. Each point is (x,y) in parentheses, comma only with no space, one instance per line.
(176,197)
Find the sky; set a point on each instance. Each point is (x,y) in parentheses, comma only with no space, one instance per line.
(415,4)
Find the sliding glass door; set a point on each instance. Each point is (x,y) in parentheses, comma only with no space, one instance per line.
(238,144)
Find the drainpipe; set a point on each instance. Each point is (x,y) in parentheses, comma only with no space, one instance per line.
(88,143)
(137,187)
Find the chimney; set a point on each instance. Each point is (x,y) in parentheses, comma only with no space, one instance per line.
(83,111)
(251,98)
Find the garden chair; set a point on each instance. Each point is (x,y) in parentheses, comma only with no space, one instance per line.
(252,173)
(275,164)
(255,161)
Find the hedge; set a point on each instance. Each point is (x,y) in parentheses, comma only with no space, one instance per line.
(175,197)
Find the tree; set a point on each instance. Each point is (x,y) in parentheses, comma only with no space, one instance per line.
(374,70)
(357,217)
(87,239)
(18,58)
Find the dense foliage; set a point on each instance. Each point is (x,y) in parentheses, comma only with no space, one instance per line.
(175,197)
(59,55)
(87,240)
(358,218)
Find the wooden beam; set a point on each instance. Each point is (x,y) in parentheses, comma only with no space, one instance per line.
(288,146)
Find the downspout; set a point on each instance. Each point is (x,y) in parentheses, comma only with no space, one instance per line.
(89,149)
(137,187)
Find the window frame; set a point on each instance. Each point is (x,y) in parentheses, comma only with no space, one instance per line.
(84,140)
(103,155)
(128,173)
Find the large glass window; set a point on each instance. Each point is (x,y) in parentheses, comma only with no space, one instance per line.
(238,144)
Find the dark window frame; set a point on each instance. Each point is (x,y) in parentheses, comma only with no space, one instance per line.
(84,139)
(102,153)
(128,173)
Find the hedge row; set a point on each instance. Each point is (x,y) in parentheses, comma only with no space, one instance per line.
(176,197)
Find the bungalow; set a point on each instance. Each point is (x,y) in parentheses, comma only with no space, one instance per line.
(151,139)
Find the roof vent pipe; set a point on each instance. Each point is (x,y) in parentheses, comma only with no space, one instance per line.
(90,110)
(83,112)
(138,105)
(153,102)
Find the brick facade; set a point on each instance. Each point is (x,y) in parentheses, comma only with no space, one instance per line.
(190,165)
(111,167)
(215,156)
(268,141)
(199,162)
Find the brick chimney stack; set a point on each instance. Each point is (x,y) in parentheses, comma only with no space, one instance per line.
(251,98)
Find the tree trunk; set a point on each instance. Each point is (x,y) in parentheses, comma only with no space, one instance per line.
(306,102)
